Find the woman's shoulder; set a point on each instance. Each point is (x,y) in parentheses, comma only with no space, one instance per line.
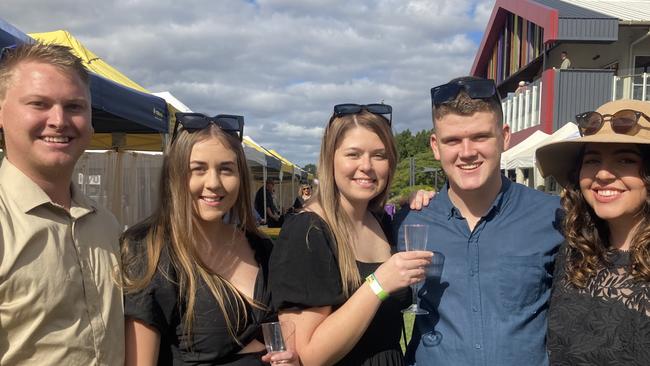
(303,225)
(136,255)
(135,235)
(261,244)
(304,233)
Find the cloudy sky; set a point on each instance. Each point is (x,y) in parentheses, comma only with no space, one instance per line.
(283,64)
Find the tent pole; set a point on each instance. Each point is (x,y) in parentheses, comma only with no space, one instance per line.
(264,187)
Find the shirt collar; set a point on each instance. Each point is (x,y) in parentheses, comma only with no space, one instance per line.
(28,195)
(497,205)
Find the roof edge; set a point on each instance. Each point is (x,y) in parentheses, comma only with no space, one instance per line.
(530,10)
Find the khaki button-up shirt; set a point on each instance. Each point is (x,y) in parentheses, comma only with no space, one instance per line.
(59,303)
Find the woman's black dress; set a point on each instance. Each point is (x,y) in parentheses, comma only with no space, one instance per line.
(158,306)
(606,323)
(305,274)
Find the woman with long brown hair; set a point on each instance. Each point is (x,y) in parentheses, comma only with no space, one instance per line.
(195,273)
(324,253)
(600,305)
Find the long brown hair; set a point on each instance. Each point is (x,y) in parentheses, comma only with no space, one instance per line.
(587,235)
(174,228)
(329,197)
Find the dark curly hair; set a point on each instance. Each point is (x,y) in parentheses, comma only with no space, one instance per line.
(587,235)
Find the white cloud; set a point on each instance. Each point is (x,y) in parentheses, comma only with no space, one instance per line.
(283,64)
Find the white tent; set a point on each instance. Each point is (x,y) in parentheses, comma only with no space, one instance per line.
(253,151)
(522,155)
(171,99)
(521,158)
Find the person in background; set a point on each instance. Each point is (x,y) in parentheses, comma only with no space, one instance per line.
(59,304)
(197,285)
(341,237)
(274,217)
(489,304)
(304,193)
(566,63)
(600,305)
(521,89)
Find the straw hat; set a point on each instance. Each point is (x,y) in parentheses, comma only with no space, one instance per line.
(558,158)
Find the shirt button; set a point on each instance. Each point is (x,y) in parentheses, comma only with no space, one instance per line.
(475,309)
(477,346)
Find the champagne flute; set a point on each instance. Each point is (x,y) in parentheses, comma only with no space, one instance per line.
(415,237)
(279,336)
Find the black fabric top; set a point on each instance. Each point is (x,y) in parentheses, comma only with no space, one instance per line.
(606,323)
(298,203)
(158,306)
(305,274)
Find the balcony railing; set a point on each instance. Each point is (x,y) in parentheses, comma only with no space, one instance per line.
(521,110)
(631,87)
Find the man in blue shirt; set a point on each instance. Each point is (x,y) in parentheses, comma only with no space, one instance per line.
(488,305)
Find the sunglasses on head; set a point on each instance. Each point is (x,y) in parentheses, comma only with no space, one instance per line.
(230,124)
(622,122)
(475,89)
(350,108)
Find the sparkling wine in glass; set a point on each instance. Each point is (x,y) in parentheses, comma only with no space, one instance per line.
(415,237)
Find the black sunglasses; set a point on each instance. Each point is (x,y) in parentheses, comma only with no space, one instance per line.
(375,108)
(231,124)
(475,89)
(622,122)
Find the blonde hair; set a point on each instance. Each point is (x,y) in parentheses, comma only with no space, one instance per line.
(51,54)
(303,186)
(174,227)
(328,195)
(58,56)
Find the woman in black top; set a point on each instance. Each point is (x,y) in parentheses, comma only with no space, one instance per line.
(303,195)
(323,253)
(195,273)
(600,304)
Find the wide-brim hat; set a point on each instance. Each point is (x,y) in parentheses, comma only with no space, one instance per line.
(559,158)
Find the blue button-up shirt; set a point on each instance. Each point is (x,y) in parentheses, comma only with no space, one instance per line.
(488,301)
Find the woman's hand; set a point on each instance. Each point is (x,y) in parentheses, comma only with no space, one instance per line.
(420,198)
(289,358)
(403,269)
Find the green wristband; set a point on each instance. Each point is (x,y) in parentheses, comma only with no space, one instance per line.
(376,287)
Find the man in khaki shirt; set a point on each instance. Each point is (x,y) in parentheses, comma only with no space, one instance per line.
(59,303)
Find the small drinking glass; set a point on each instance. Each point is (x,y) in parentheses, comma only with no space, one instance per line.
(415,237)
(279,336)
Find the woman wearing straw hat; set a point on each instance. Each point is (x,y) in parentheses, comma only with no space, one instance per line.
(600,305)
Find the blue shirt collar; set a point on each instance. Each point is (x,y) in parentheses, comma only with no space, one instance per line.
(499,202)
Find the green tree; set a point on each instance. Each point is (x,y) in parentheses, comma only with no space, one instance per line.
(310,168)
(421,141)
(409,145)
(404,142)
(418,148)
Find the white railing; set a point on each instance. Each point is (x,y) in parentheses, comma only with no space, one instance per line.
(521,110)
(631,87)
